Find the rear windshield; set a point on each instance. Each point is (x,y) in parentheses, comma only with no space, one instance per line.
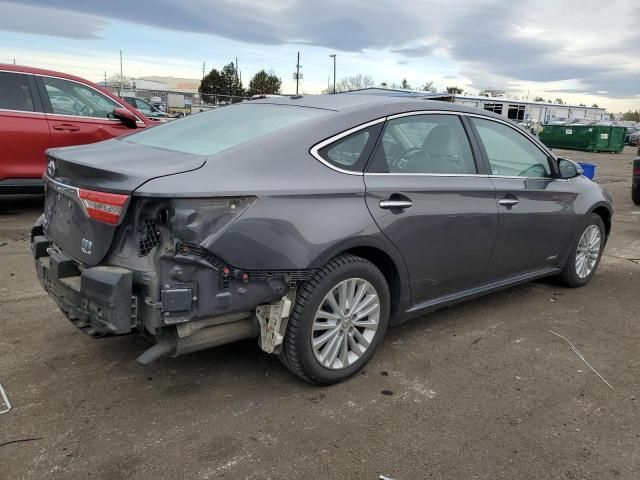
(211,132)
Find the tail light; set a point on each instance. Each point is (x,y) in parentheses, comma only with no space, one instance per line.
(636,172)
(103,207)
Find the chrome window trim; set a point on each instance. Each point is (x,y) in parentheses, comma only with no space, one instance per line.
(424,112)
(20,111)
(314,151)
(467,175)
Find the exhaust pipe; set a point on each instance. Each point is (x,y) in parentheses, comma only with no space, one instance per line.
(169,343)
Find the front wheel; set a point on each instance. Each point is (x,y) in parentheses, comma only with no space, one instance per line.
(585,254)
(339,318)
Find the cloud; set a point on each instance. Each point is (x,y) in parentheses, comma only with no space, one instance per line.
(489,42)
(48,21)
(420,51)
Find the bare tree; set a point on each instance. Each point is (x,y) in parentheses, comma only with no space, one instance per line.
(354,82)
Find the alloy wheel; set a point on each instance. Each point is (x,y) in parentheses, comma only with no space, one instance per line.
(345,323)
(588,251)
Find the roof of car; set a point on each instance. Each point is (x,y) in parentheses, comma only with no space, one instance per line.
(41,71)
(374,104)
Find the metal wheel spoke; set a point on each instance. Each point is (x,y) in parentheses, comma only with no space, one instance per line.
(364,303)
(327,315)
(355,348)
(331,350)
(360,292)
(365,323)
(360,338)
(344,350)
(325,337)
(367,311)
(318,327)
(344,303)
(332,302)
(352,285)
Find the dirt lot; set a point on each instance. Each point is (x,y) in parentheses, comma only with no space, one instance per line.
(481,390)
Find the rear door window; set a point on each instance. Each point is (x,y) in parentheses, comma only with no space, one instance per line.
(15,93)
(428,144)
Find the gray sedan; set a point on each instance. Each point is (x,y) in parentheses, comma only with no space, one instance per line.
(311,223)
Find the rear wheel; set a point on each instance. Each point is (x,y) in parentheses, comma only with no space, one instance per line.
(635,194)
(586,251)
(339,318)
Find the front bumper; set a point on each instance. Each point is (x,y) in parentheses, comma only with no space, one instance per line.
(97,300)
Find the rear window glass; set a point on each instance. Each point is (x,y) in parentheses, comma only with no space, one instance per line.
(211,132)
(14,92)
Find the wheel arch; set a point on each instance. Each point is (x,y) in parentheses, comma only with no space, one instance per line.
(604,212)
(389,261)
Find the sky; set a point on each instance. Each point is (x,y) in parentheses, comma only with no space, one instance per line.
(583,51)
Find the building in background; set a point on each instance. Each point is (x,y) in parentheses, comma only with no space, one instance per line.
(518,110)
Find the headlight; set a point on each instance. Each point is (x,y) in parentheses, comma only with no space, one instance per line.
(202,220)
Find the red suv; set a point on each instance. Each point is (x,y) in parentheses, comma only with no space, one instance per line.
(40,109)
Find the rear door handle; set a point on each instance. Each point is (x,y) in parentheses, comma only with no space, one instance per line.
(66,127)
(508,202)
(393,204)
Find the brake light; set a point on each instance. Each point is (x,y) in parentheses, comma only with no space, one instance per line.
(636,172)
(103,207)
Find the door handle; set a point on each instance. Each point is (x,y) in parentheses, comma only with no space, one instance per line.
(66,127)
(395,204)
(508,202)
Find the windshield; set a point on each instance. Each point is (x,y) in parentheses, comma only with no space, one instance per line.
(211,132)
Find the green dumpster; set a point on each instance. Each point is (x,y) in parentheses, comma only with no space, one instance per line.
(590,138)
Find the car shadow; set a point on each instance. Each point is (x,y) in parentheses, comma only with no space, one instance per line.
(222,366)
(21,204)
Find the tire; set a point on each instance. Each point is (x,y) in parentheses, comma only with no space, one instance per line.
(635,194)
(300,357)
(570,276)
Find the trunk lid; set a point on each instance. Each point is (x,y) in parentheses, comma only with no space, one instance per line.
(77,179)
(115,166)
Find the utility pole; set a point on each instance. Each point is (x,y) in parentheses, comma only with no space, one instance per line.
(297,73)
(121,76)
(14,60)
(333,55)
(105,78)
(203,65)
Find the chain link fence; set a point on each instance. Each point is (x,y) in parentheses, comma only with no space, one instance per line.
(185,103)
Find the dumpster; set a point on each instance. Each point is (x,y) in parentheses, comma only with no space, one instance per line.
(590,138)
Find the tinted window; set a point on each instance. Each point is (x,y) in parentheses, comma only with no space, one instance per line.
(511,153)
(15,93)
(211,132)
(71,98)
(424,144)
(351,152)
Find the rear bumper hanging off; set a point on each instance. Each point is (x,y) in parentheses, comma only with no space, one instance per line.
(97,300)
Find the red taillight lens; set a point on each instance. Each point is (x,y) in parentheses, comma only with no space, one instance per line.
(636,172)
(104,207)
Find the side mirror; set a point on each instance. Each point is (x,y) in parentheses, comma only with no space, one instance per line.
(126,116)
(569,168)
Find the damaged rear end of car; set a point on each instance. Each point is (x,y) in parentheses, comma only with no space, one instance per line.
(117,261)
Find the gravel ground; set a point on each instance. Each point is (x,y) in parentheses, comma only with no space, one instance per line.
(479,390)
